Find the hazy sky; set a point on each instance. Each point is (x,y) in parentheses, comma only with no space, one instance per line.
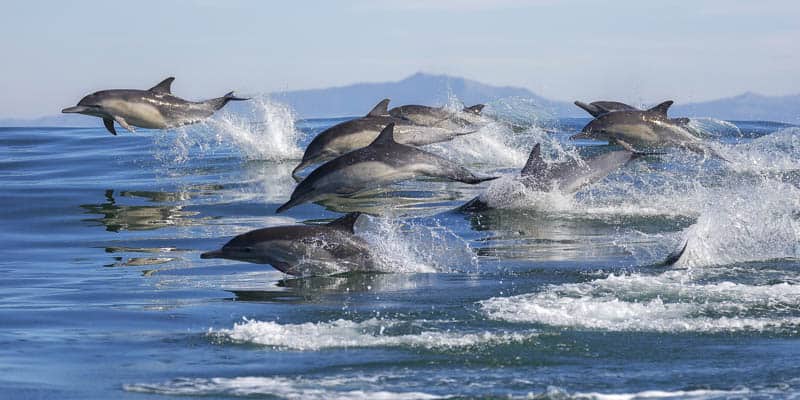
(54,52)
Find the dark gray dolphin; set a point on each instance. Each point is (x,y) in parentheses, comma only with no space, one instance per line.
(155,108)
(440,116)
(360,132)
(598,108)
(648,129)
(382,162)
(302,249)
(566,177)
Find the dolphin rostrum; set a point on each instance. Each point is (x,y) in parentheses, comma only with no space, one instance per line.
(302,249)
(382,162)
(155,108)
(357,133)
(566,177)
(440,116)
(648,129)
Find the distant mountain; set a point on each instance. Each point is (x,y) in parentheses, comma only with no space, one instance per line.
(421,88)
(745,107)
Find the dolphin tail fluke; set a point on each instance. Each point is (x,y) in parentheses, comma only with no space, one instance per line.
(220,102)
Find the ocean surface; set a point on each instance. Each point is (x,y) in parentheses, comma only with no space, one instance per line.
(103,293)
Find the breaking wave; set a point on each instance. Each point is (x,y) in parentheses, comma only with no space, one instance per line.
(370,333)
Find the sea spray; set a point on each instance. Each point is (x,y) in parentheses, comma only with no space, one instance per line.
(265,132)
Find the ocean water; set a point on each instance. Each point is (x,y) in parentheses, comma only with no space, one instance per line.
(103,294)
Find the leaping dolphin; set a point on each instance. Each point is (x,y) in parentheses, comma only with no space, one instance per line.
(648,129)
(598,108)
(302,249)
(360,132)
(440,116)
(155,108)
(566,177)
(382,162)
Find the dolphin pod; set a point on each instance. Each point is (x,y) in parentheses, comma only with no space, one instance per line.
(155,108)
(419,127)
(377,150)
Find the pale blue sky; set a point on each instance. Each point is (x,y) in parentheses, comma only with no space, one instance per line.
(54,52)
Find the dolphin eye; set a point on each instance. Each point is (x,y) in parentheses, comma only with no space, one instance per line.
(247,249)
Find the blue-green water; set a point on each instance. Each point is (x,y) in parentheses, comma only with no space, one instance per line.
(104,294)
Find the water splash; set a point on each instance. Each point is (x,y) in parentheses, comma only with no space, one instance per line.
(268,132)
(408,247)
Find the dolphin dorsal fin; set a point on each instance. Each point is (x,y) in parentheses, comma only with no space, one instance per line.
(346,223)
(661,108)
(476,109)
(381,108)
(535,162)
(386,137)
(163,86)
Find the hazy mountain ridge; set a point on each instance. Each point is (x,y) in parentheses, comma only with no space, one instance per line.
(421,88)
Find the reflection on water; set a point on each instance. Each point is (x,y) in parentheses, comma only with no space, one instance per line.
(546,236)
(316,288)
(117,217)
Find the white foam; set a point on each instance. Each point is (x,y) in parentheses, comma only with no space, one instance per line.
(283,387)
(344,333)
(670,302)
(699,394)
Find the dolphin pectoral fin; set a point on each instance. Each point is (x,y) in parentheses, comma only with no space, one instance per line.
(636,153)
(680,121)
(476,109)
(109,123)
(121,121)
(473,180)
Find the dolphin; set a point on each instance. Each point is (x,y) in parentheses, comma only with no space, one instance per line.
(648,129)
(360,132)
(382,162)
(598,108)
(302,249)
(566,177)
(440,116)
(155,108)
